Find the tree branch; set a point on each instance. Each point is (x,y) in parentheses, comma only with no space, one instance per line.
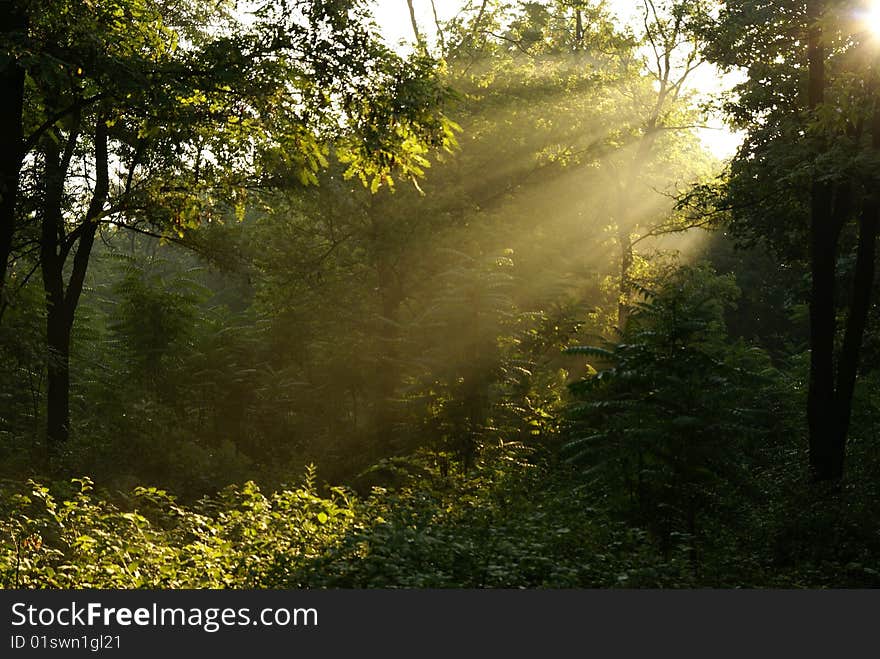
(90,221)
(420,42)
(441,38)
(31,141)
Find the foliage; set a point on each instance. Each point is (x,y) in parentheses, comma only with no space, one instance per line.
(484,530)
(515,521)
(674,411)
(494,331)
(240,538)
(805,177)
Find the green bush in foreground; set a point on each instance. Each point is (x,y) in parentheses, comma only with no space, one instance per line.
(509,523)
(238,539)
(514,521)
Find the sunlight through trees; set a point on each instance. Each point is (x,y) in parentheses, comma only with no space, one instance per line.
(417,294)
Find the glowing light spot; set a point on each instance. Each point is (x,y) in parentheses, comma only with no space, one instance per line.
(871,17)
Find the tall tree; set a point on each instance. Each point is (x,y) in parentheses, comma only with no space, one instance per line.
(420,41)
(650,133)
(806,176)
(152,122)
(661,105)
(13,28)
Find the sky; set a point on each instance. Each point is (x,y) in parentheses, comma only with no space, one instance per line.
(393,17)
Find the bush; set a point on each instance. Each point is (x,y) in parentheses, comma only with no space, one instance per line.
(241,539)
(674,411)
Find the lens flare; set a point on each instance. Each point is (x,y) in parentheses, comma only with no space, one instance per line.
(871,17)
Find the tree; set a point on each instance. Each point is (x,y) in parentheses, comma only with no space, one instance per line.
(661,106)
(806,176)
(638,114)
(13,23)
(669,414)
(148,121)
(379,316)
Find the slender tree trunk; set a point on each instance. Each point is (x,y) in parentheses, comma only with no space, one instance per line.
(626,222)
(58,329)
(57,325)
(478,21)
(627,258)
(441,37)
(857,320)
(821,407)
(415,25)
(820,397)
(668,91)
(12,20)
(61,304)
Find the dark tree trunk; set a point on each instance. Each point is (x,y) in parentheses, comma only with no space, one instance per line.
(832,381)
(820,397)
(56,244)
(860,305)
(12,20)
(821,417)
(855,329)
(52,264)
(578,29)
(58,330)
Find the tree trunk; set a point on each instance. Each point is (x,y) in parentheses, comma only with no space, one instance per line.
(821,417)
(57,325)
(820,397)
(58,330)
(55,245)
(626,222)
(624,241)
(420,42)
(857,320)
(831,387)
(441,37)
(12,20)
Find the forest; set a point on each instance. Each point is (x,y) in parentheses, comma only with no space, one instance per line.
(285,305)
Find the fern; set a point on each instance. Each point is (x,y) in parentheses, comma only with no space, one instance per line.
(675,407)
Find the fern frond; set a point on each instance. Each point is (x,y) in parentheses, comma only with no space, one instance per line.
(592,351)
